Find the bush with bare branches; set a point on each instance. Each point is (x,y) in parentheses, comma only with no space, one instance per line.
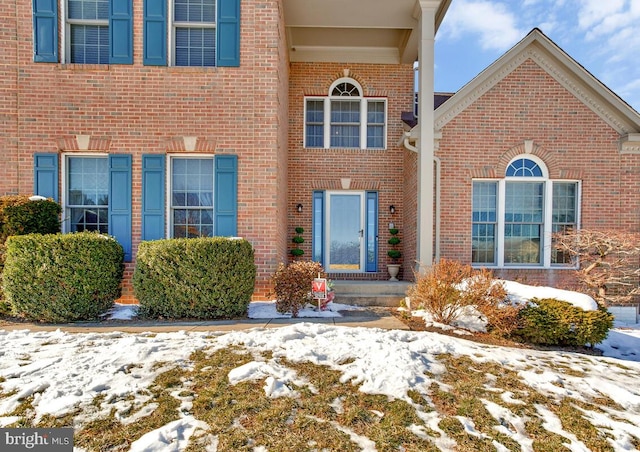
(450,287)
(292,285)
(609,263)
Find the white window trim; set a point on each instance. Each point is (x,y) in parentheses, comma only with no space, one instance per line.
(326,122)
(172,25)
(65,226)
(65,38)
(547,224)
(169,187)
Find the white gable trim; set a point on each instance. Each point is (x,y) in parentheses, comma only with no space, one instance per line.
(537,47)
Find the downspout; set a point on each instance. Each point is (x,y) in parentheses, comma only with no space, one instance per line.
(438,163)
(407,144)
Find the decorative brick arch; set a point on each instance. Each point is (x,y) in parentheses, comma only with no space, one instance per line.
(189,144)
(528,147)
(83,143)
(353,184)
(346,73)
(555,167)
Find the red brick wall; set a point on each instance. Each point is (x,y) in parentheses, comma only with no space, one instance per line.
(570,138)
(8,100)
(322,169)
(410,214)
(139,109)
(283,147)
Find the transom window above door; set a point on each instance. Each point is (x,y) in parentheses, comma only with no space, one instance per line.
(345,118)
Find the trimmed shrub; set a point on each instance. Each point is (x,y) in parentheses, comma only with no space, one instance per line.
(20,216)
(62,277)
(555,322)
(292,285)
(202,278)
(450,287)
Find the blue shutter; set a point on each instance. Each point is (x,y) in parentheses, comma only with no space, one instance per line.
(153,178)
(228,33)
(371,232)
(45,31)
(317,238)
(120,201)
(121,32)
(155,33)
(226,195)
(45,175)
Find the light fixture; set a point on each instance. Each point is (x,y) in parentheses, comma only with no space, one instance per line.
(392,209)
(299,208)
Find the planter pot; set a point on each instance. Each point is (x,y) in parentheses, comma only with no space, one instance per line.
(393,270)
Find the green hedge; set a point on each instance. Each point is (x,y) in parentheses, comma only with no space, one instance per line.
(554,322)
(203,278)
(62,277)
(20,216)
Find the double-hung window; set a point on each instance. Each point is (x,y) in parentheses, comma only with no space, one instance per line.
(194,32)
(514,219)
(88,194)
(88,31)
(192,197)
(202,196)
(345,119)
(200,33)
(94,31)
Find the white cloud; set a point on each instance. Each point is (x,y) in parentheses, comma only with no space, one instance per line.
(623,44)
(492,21)
(592,12)
(630,92)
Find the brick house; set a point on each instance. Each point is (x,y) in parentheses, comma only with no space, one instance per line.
(170,118)
(532,145)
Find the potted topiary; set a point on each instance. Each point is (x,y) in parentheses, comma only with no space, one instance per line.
(394,254)
(298,239)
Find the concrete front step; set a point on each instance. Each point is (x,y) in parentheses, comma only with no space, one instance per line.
(370,293)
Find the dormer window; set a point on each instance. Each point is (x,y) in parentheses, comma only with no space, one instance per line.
(345,119)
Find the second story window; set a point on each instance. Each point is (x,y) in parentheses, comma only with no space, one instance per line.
(194,32)
(345,119)
(88,31)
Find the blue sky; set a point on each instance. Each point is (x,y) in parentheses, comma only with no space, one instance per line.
(602,35)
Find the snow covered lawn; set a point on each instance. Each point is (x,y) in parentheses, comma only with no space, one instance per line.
(317,387)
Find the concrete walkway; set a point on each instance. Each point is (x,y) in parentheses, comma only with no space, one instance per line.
(377,318)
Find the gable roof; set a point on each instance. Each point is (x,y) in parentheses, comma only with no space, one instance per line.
(559,65)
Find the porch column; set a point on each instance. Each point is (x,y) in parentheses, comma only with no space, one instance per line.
(426,60)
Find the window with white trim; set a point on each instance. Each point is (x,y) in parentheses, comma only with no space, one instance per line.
(514,219)
(87,194)
(191,194)
(194,32)
(345,118)
(87,30)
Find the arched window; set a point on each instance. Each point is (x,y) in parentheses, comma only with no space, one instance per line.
(514,218)
(523,167)
(345,118)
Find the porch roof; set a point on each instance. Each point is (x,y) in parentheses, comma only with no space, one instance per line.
(356,31)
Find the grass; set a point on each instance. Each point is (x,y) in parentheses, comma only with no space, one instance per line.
(330,415)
